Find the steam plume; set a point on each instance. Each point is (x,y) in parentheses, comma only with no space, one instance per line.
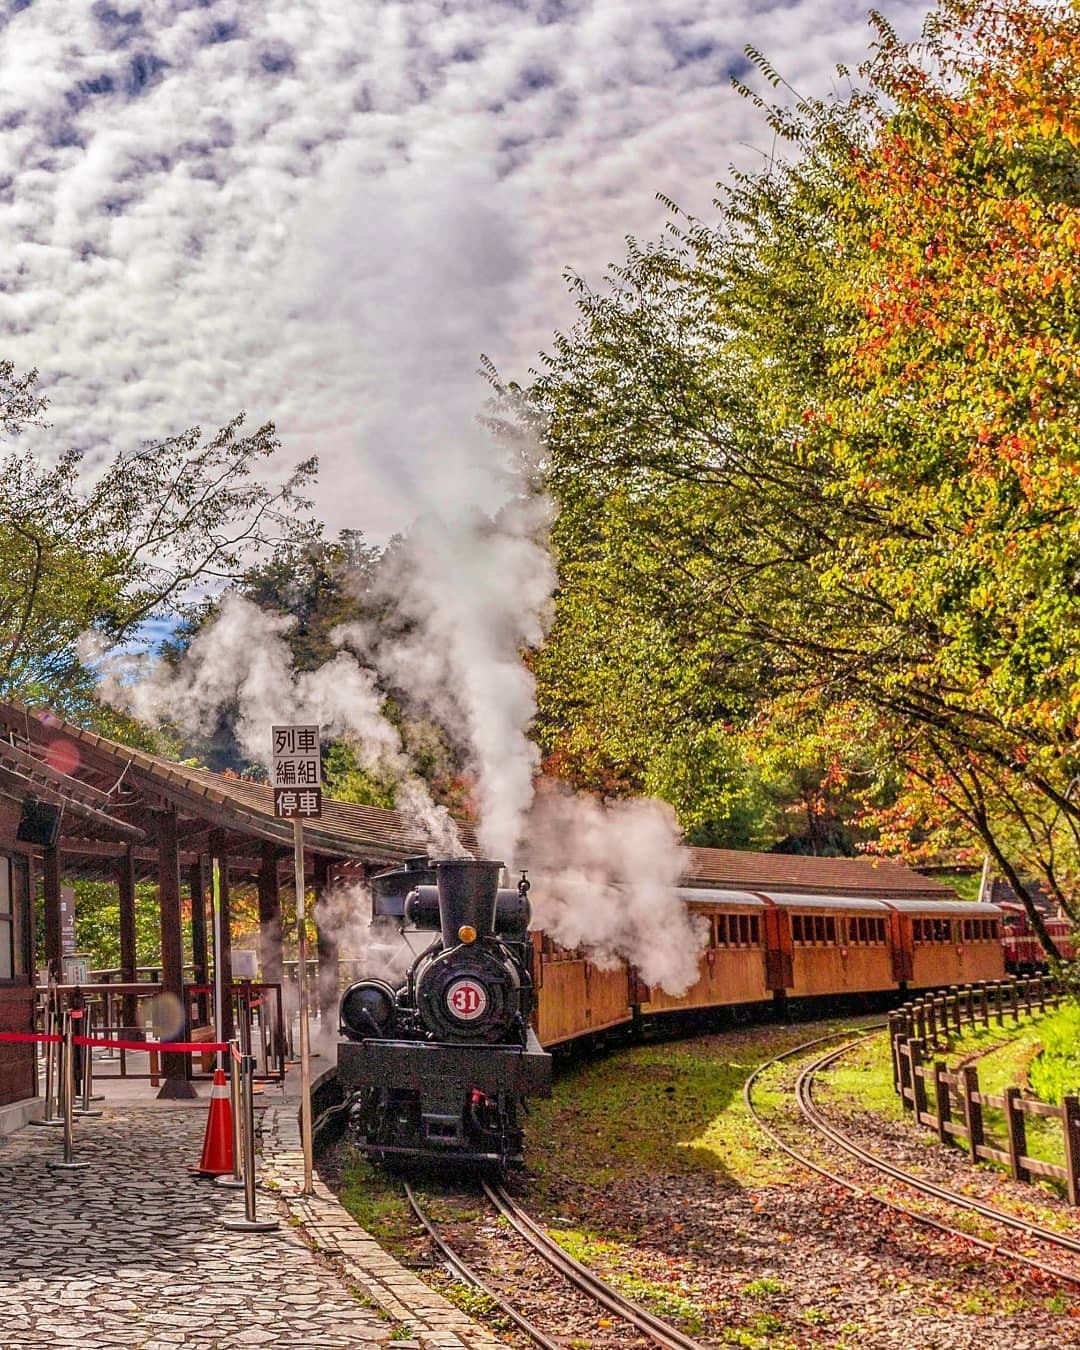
(474,592)
(242,658)
(605,879)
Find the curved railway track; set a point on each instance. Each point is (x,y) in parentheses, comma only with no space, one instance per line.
(817,1121)
(583,1280)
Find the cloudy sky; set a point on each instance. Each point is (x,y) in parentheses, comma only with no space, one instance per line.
(323,211)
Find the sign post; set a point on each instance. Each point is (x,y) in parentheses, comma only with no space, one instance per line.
(296,774)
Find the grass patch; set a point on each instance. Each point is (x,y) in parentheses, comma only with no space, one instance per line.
(375,1201)
(760,1333)
(863,1079)
(663,1108)
(472,1301)
(765,1286)
(1055,1071)
(609,1259)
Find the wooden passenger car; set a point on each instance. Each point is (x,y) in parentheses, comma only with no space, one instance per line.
(575,996)
(950,942)
(839,944)
(732,966)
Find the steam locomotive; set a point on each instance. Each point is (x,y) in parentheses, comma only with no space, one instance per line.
(437,1067)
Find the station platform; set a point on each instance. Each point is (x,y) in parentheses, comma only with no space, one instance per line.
(131,1251)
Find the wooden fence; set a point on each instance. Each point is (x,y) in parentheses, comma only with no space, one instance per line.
(927,1025)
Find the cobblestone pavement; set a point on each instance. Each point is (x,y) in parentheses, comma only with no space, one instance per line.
(402,1296)
(131,1252)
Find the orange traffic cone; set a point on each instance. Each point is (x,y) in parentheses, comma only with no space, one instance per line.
(217,1153)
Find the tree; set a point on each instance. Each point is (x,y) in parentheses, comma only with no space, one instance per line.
(134,543)
(325,585)
(826,445)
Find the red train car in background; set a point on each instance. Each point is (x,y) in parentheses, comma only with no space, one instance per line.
(1024,953)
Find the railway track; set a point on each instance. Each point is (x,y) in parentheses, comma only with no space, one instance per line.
(583,1280)
(824,1129)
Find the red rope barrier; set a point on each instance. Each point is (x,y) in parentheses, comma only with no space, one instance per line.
(165,1047)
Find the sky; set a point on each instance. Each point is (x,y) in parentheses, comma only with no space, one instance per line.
(322,212)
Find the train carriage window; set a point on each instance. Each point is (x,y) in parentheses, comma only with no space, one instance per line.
(755,931)
(744,930)
(796,928)
(917,930)
(830,929)
(995,928)
(819,928)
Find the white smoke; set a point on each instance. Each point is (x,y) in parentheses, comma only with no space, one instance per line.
(241,658)
(473,593)
(375,951)
(605,878)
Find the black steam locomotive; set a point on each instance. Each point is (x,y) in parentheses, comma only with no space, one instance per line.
(436,1068)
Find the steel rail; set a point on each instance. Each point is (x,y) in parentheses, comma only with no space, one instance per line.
(993,1249)
(584,1279)
(804,1094)
(464,1272)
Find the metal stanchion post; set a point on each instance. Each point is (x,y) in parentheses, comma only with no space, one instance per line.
(236,1105)
(85,1109)
(249,1223)
(52,1056)
(67,1079)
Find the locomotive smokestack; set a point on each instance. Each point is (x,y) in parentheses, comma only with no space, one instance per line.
(468,890)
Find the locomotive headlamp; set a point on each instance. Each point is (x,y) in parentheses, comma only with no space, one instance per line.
(466,933)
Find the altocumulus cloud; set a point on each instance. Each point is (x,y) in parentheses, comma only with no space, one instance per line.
(322,211)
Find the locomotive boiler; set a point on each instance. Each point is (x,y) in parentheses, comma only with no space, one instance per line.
(437,1067)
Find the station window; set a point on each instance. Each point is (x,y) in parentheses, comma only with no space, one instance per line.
(14,954)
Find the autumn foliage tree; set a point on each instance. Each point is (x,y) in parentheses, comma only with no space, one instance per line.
(820,456)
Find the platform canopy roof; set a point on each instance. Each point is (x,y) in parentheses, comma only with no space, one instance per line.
(109,794)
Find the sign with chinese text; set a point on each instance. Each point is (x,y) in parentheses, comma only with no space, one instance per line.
(296,772)
(67,922)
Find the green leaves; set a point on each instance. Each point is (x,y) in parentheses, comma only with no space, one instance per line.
(134,541)
(818,461)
